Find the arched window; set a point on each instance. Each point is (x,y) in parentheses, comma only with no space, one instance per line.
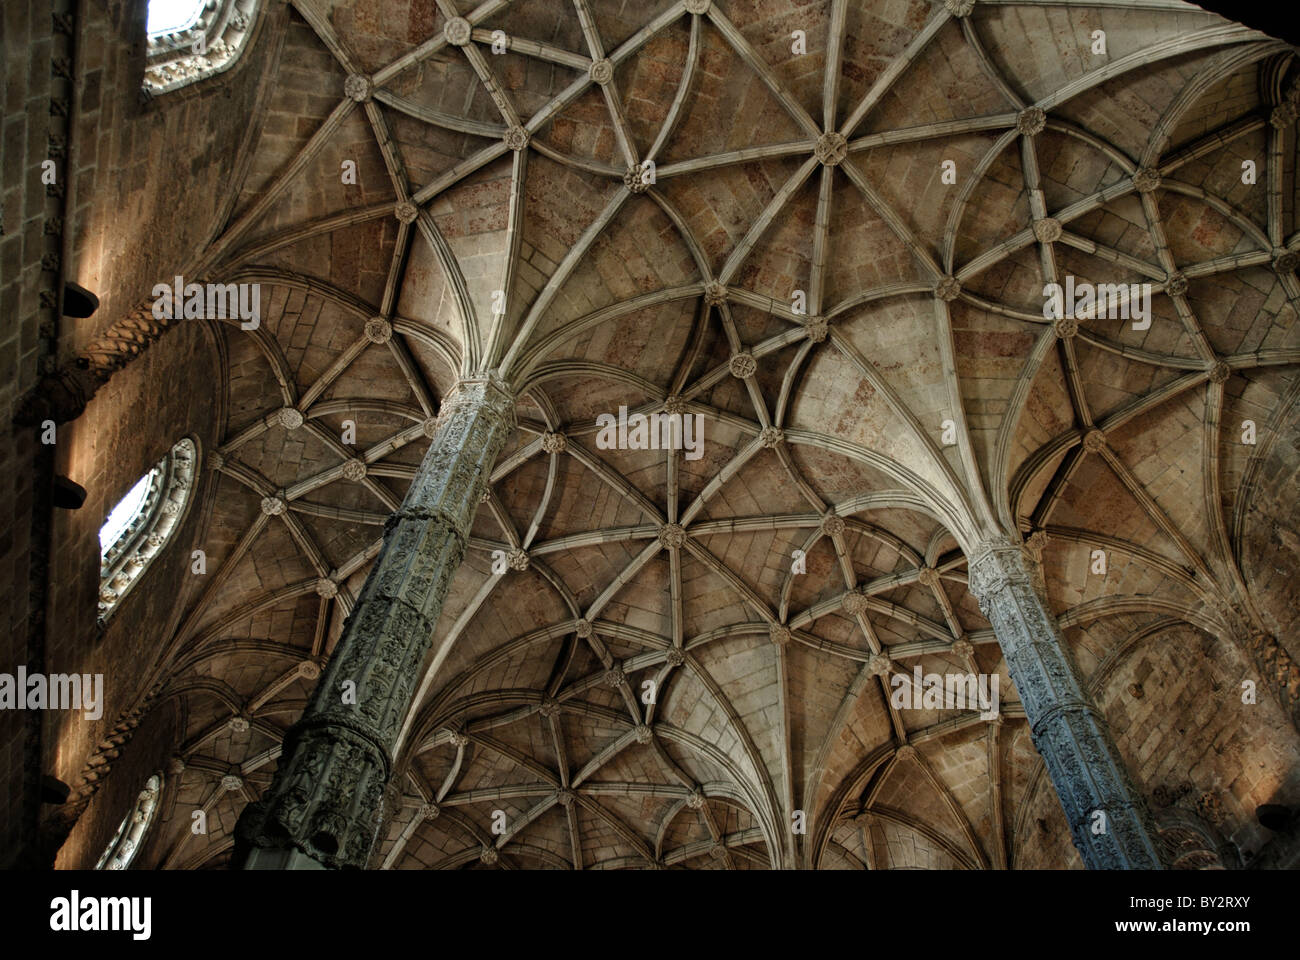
(192,39)
(129,838)
(137,529)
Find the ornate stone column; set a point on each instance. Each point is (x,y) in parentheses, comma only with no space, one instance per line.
(1068,730)
(324,805)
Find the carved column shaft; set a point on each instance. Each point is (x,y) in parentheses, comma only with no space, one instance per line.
(326,798)
(1068,730)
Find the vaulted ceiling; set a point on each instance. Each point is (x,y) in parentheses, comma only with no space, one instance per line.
(775,173)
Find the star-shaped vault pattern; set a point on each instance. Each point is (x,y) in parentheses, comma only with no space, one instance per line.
(837,258)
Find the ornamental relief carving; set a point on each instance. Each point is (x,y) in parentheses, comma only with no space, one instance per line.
(209,46)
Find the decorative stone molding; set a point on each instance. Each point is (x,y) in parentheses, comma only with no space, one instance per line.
(216,460)
(457,739)
(770,437)
(378,330)
(1176,285)
(674,404)
(327,588)
(516,138)
(1146,180)
(779,634)
(601,72)
(554,443)
(517,559)
(906,752)
(742,365)
(1094,441)
(832,525)
(406,211)
(695,799)
(854,603)
(880,665)
(1047,230)
(1283,115)
(715,294)
(238,725)
(831,148)
(565,797)
(1279,672)
(335,765)
(672,535)
(816,329)
(674,657)
(1036,542)
(427,811)
(308,669)
(176,766)
(1067,729)
(355,470)
(615,677)
(1220,372)
(157,517)
(126,843)
(959,8)
(357,87)
(698,7)
(550,707)
(1031,122)
(221,33)
(948,289)
(457,31)
(963,648)
(1286,261)
(927,577)
(489,856)
(429,427)
(718,851)
(582,629)
(232,782)
(643,734)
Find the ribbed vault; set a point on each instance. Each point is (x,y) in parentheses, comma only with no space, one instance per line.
(500,219)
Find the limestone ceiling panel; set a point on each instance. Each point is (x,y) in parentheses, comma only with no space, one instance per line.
(499,219)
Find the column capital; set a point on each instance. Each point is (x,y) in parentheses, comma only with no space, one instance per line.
(995,565)
(484,386)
